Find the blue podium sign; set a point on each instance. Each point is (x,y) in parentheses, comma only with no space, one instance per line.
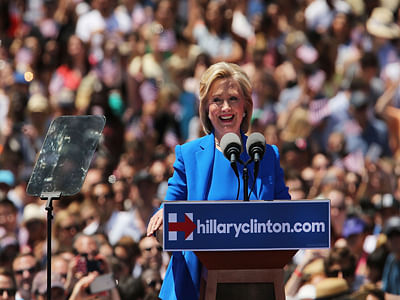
(253,225)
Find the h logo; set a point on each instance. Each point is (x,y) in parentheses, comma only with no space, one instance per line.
(174,226)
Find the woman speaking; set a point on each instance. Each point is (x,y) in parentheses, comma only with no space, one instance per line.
(201,171)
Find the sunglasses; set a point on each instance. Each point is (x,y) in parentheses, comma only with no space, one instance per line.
(159,248)
(107,196)
(30,270)
(90,218)
(10,292)
(153,283)
(345,272)
(340,208)
(70,227)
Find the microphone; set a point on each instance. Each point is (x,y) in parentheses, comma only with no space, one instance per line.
(256,146)
(231,146)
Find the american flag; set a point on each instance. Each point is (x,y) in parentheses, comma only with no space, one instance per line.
(318,110)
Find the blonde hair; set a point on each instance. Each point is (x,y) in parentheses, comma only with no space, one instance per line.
(298,126)
(225,70)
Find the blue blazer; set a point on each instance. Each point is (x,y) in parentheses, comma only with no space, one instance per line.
(191,181)
(193,169)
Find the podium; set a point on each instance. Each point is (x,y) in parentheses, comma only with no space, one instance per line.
(227,275)
(244,246)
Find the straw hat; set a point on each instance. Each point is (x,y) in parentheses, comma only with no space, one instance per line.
(381,24)
(331,287)
(390,4)
(315,267)
(33,211)
(357,7)
(38,103)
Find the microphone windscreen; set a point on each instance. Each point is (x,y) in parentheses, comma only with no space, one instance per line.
(230,139)
(253,139)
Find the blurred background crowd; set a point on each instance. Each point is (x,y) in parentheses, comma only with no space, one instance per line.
(325,77)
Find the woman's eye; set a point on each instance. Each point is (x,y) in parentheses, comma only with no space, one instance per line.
(216,100)
(233,98)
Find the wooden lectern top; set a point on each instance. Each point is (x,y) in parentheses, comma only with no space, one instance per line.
(234,260)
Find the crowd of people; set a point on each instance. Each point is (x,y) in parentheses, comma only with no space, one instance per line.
(325,77)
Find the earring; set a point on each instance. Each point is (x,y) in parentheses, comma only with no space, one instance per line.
(244,114)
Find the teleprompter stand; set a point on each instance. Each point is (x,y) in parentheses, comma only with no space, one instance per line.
(62,165)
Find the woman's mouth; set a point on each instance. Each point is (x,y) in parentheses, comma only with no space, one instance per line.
(226,118)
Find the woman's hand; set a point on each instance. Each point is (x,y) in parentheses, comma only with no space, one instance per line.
(80,290)
(72,275)
(156,222)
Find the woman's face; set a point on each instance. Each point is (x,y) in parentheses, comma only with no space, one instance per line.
(226,106)
(75,46)
(213,11)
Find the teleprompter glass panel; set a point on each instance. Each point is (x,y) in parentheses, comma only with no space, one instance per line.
(66,154)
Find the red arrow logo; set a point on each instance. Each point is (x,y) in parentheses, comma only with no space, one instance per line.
(188,226)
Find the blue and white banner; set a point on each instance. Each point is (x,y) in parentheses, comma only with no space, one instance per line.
(239,225)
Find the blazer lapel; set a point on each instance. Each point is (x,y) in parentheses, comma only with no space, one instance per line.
(204,160)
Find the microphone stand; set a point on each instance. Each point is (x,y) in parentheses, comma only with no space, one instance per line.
(245,179)
(245,182)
